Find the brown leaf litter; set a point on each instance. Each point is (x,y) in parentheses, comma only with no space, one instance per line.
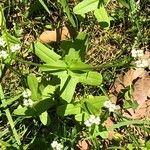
(56,35)
(140,80)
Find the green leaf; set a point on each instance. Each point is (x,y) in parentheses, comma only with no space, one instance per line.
(10,101)
(45,53)
(102,16)
(82,117)
(68,109)
(67,87)
(90,78)
(79,66)
(129,122)
(11,38)
(94,104)
(86,6)
(66,9)
(148,144)
(2,18)
(44,5)
(45,119)
(76,49)
(33,85)
(124,3)
(104,134)
(48,91)
(37,108)
(59,65)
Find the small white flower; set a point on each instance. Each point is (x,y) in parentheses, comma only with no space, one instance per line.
(56,146)
(59,147)
(140,53)
(92,120)
(26,93)
(97,121)
(3,54)
(137,53)
(27,102)
(134,53)
(30,102)
(2,42)
(15,47)
(111,107)
(142,63)
(87,123)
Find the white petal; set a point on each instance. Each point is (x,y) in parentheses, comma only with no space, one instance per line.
(54,144)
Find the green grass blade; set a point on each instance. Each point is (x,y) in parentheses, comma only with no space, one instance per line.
(44,5)
(129,122)
(9,117)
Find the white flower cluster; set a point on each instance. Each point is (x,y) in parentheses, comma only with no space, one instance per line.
(15,47)
(111,107)
(56,146)
(27,101)
(92,120)
(3,54)
(137,53)
(141,62)
(2,42)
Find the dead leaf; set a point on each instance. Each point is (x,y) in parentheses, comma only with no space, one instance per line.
(142,90)
(108,123)
(118,86)
(55,36)
(140,80)
(83,144)
(141,112)
(113,98)
(132,75)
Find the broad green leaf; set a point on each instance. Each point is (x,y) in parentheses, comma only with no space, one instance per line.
(58,65)
(102,16)
(68,109)
(45,53)
(4,145)
(10,101)
(90,78)
(11,38)
(82,117)
(67,88)
(133,5)
(79,66)
(48,91)
(66,9)
(45,119)
(148,144)
(75,49)
(86,6)
(72,57)
(104,134)
(33,85)
(37,108)
(94,104)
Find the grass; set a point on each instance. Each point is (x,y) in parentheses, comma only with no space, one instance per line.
(61,104)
